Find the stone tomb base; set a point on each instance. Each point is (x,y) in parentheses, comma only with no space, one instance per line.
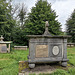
(40,68)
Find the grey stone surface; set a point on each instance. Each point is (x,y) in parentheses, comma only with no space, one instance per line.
(20,47)
(21,74)
(55,50)
(1,38)
(64,64)
(3,49)
(31,65)
(46,29)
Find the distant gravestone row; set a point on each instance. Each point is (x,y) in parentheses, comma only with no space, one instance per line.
(20,47)
(70,44)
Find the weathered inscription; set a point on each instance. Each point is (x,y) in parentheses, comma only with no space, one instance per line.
(55,50)
(3,48)
(41,51)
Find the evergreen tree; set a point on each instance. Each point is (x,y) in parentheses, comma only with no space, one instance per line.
(71,27)
(22,14)
(19,35)
(42,12)
(6,21)
(3,15)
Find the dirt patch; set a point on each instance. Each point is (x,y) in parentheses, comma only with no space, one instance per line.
(1,69)
(40,68)
(4,59)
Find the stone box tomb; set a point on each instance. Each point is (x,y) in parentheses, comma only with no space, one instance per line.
(3,46)
(47,48)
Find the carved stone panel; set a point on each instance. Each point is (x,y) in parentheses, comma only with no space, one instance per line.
(3,49)
(41,51)
(55,50)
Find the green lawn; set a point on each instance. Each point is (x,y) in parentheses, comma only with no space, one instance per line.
(9,62)
(71,57)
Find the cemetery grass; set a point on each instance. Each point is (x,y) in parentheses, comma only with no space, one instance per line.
(70,70)
(9,63)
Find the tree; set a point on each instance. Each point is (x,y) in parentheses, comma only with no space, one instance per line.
(22,14)
(70,23)
(19,36)
(19,13)
(35,24)
(6,21)
(3,15)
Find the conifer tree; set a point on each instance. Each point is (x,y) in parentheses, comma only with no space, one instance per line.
(6,21)
(70,23)
(42,12)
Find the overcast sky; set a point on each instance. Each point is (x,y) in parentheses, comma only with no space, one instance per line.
(63,8)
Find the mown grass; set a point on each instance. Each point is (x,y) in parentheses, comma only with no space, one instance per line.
(9,62)
(71,55)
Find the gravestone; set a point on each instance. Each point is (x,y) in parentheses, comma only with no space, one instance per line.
(47,48)
(3,49)
(3,46)
(20,47)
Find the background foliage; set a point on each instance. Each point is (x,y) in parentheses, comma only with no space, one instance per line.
(16,23)
(71,27)
(7,22)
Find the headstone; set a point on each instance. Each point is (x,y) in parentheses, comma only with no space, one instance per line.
(3,49)
(3,46)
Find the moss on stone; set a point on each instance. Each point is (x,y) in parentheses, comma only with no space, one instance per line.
(23,65)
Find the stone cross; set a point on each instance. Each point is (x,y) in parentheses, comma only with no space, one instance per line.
(46,28)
